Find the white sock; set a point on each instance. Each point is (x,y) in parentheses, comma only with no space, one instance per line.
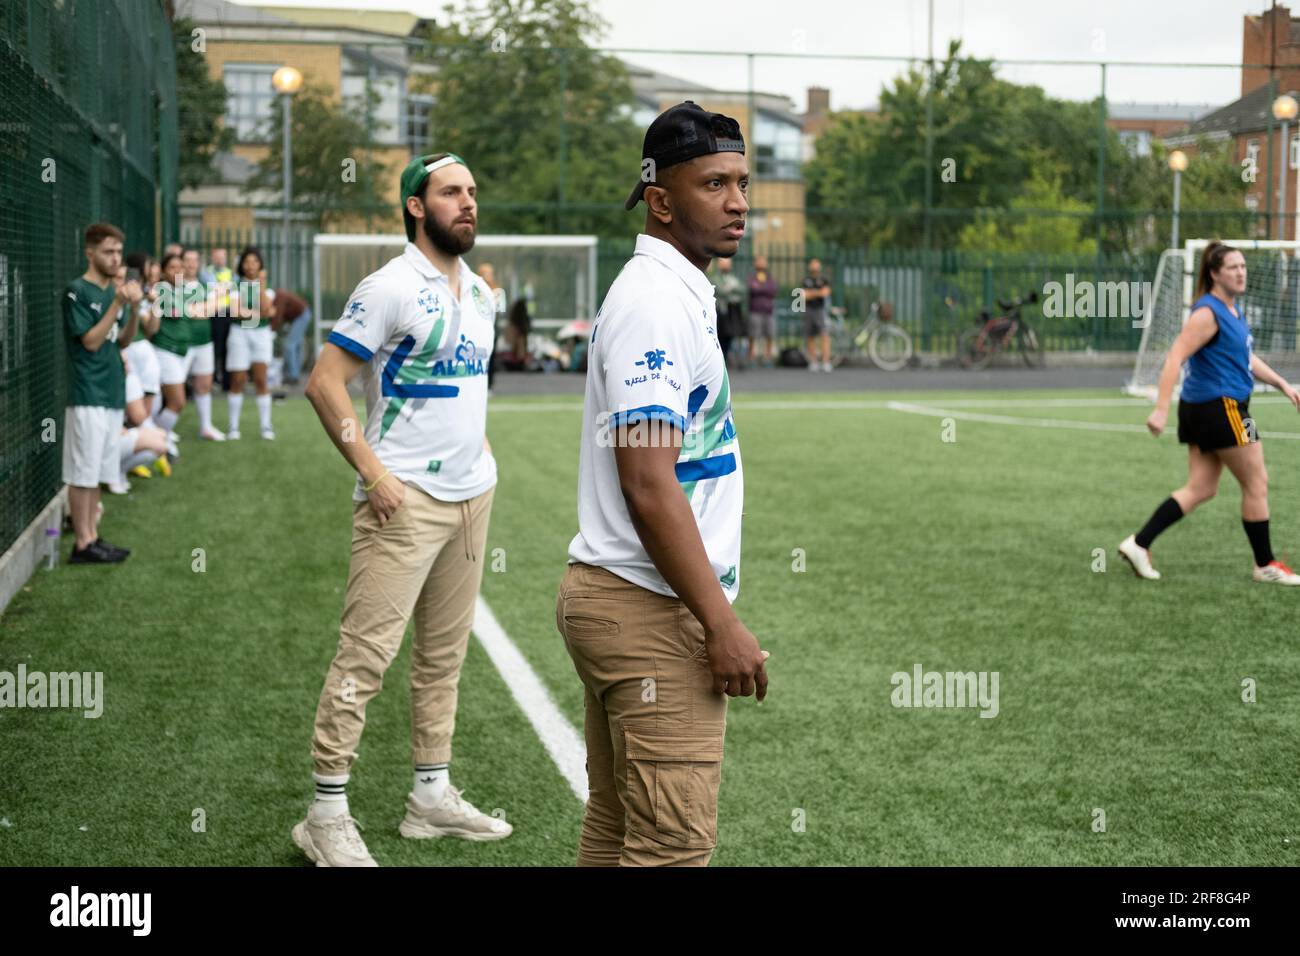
(236,402)
(204,404)
(155,405)
(264,411)
(331,799)
(166,419)
(431,781)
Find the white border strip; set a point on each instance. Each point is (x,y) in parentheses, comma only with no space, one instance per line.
(1049,422)
(558,736)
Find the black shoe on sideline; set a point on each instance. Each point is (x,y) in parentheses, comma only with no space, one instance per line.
(112,548)
(95,553)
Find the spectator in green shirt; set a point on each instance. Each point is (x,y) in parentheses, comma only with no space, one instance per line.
(99,319)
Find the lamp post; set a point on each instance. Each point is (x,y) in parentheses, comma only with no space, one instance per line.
(1285,108)
(287,81)
(1177,162)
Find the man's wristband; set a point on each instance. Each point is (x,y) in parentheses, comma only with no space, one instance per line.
(371,487)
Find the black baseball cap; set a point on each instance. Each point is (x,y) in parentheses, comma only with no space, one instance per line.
(680,133)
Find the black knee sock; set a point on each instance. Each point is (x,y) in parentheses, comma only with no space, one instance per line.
(1257,532)
(1168,512)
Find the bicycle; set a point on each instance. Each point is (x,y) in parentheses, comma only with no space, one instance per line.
(887,345)
(977,346)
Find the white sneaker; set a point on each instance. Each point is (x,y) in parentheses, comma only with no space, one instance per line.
(1139,559)
(119,487)
(332,841)
(268,434)
(452,817)
(1275,572)
(827,367)
(814,366)
(173,437)
(232,435)
(212,434)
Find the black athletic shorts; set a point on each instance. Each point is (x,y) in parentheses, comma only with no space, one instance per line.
(1219,423)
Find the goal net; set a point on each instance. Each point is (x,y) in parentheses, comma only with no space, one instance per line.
(555,275)
(1270,306)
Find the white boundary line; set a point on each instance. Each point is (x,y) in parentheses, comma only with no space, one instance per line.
(884,404)
(558,736)
(1047,422)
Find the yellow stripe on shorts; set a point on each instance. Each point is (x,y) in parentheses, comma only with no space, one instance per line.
(1234,419)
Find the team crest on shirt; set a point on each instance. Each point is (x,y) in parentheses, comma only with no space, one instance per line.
(431,303)
(355,308)
(481,302)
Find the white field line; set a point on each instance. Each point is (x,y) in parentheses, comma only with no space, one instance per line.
(558,736)
(916,409)
(883,404)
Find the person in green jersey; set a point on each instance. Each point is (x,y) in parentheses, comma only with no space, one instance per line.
(248,349)
(99,318)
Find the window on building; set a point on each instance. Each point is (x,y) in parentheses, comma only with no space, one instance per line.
(1136,141)
(249,99)
(418,133)
(778,144)
(385,113)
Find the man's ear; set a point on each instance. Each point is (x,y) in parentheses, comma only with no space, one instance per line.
(658,203)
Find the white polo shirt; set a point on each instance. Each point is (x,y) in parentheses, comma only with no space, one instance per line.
(426,352)
(655,357)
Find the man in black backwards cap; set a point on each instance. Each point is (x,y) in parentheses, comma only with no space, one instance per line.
(645,605)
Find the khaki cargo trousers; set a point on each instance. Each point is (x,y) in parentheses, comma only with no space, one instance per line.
(654,726)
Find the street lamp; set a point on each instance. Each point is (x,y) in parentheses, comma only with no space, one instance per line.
(1177,162)
(1285,108)
(287,81)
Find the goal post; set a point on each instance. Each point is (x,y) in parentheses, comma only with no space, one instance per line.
(1270,306)
(556,275)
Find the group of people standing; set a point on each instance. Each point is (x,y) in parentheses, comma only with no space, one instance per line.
(757,295)
(145,334)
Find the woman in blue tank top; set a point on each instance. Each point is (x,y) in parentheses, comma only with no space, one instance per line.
(1213,415)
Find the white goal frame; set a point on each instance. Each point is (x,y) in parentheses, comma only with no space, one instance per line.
(1189,256)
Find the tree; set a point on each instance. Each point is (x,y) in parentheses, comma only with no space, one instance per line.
(543,120)
(1030,227)
(333,174)
(998,147)
(201,104)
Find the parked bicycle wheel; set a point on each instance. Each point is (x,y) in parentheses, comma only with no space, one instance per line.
(1030,347)
(974,348)
(889,347)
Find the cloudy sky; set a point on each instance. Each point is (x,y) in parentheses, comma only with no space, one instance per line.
(1056,31)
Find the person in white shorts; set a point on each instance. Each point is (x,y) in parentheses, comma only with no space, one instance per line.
(184,343)
(250,344)
(99,317)
(140,353)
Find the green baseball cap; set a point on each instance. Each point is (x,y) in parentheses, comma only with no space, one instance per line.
(418,169)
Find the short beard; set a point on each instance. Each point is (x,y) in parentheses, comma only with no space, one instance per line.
(444,240)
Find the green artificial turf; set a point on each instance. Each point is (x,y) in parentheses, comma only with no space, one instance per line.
(975,554)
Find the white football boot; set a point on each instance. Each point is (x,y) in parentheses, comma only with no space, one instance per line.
(1275,572)
(1139,559)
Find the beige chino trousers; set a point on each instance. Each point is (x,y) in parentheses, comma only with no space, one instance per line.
(426,562)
